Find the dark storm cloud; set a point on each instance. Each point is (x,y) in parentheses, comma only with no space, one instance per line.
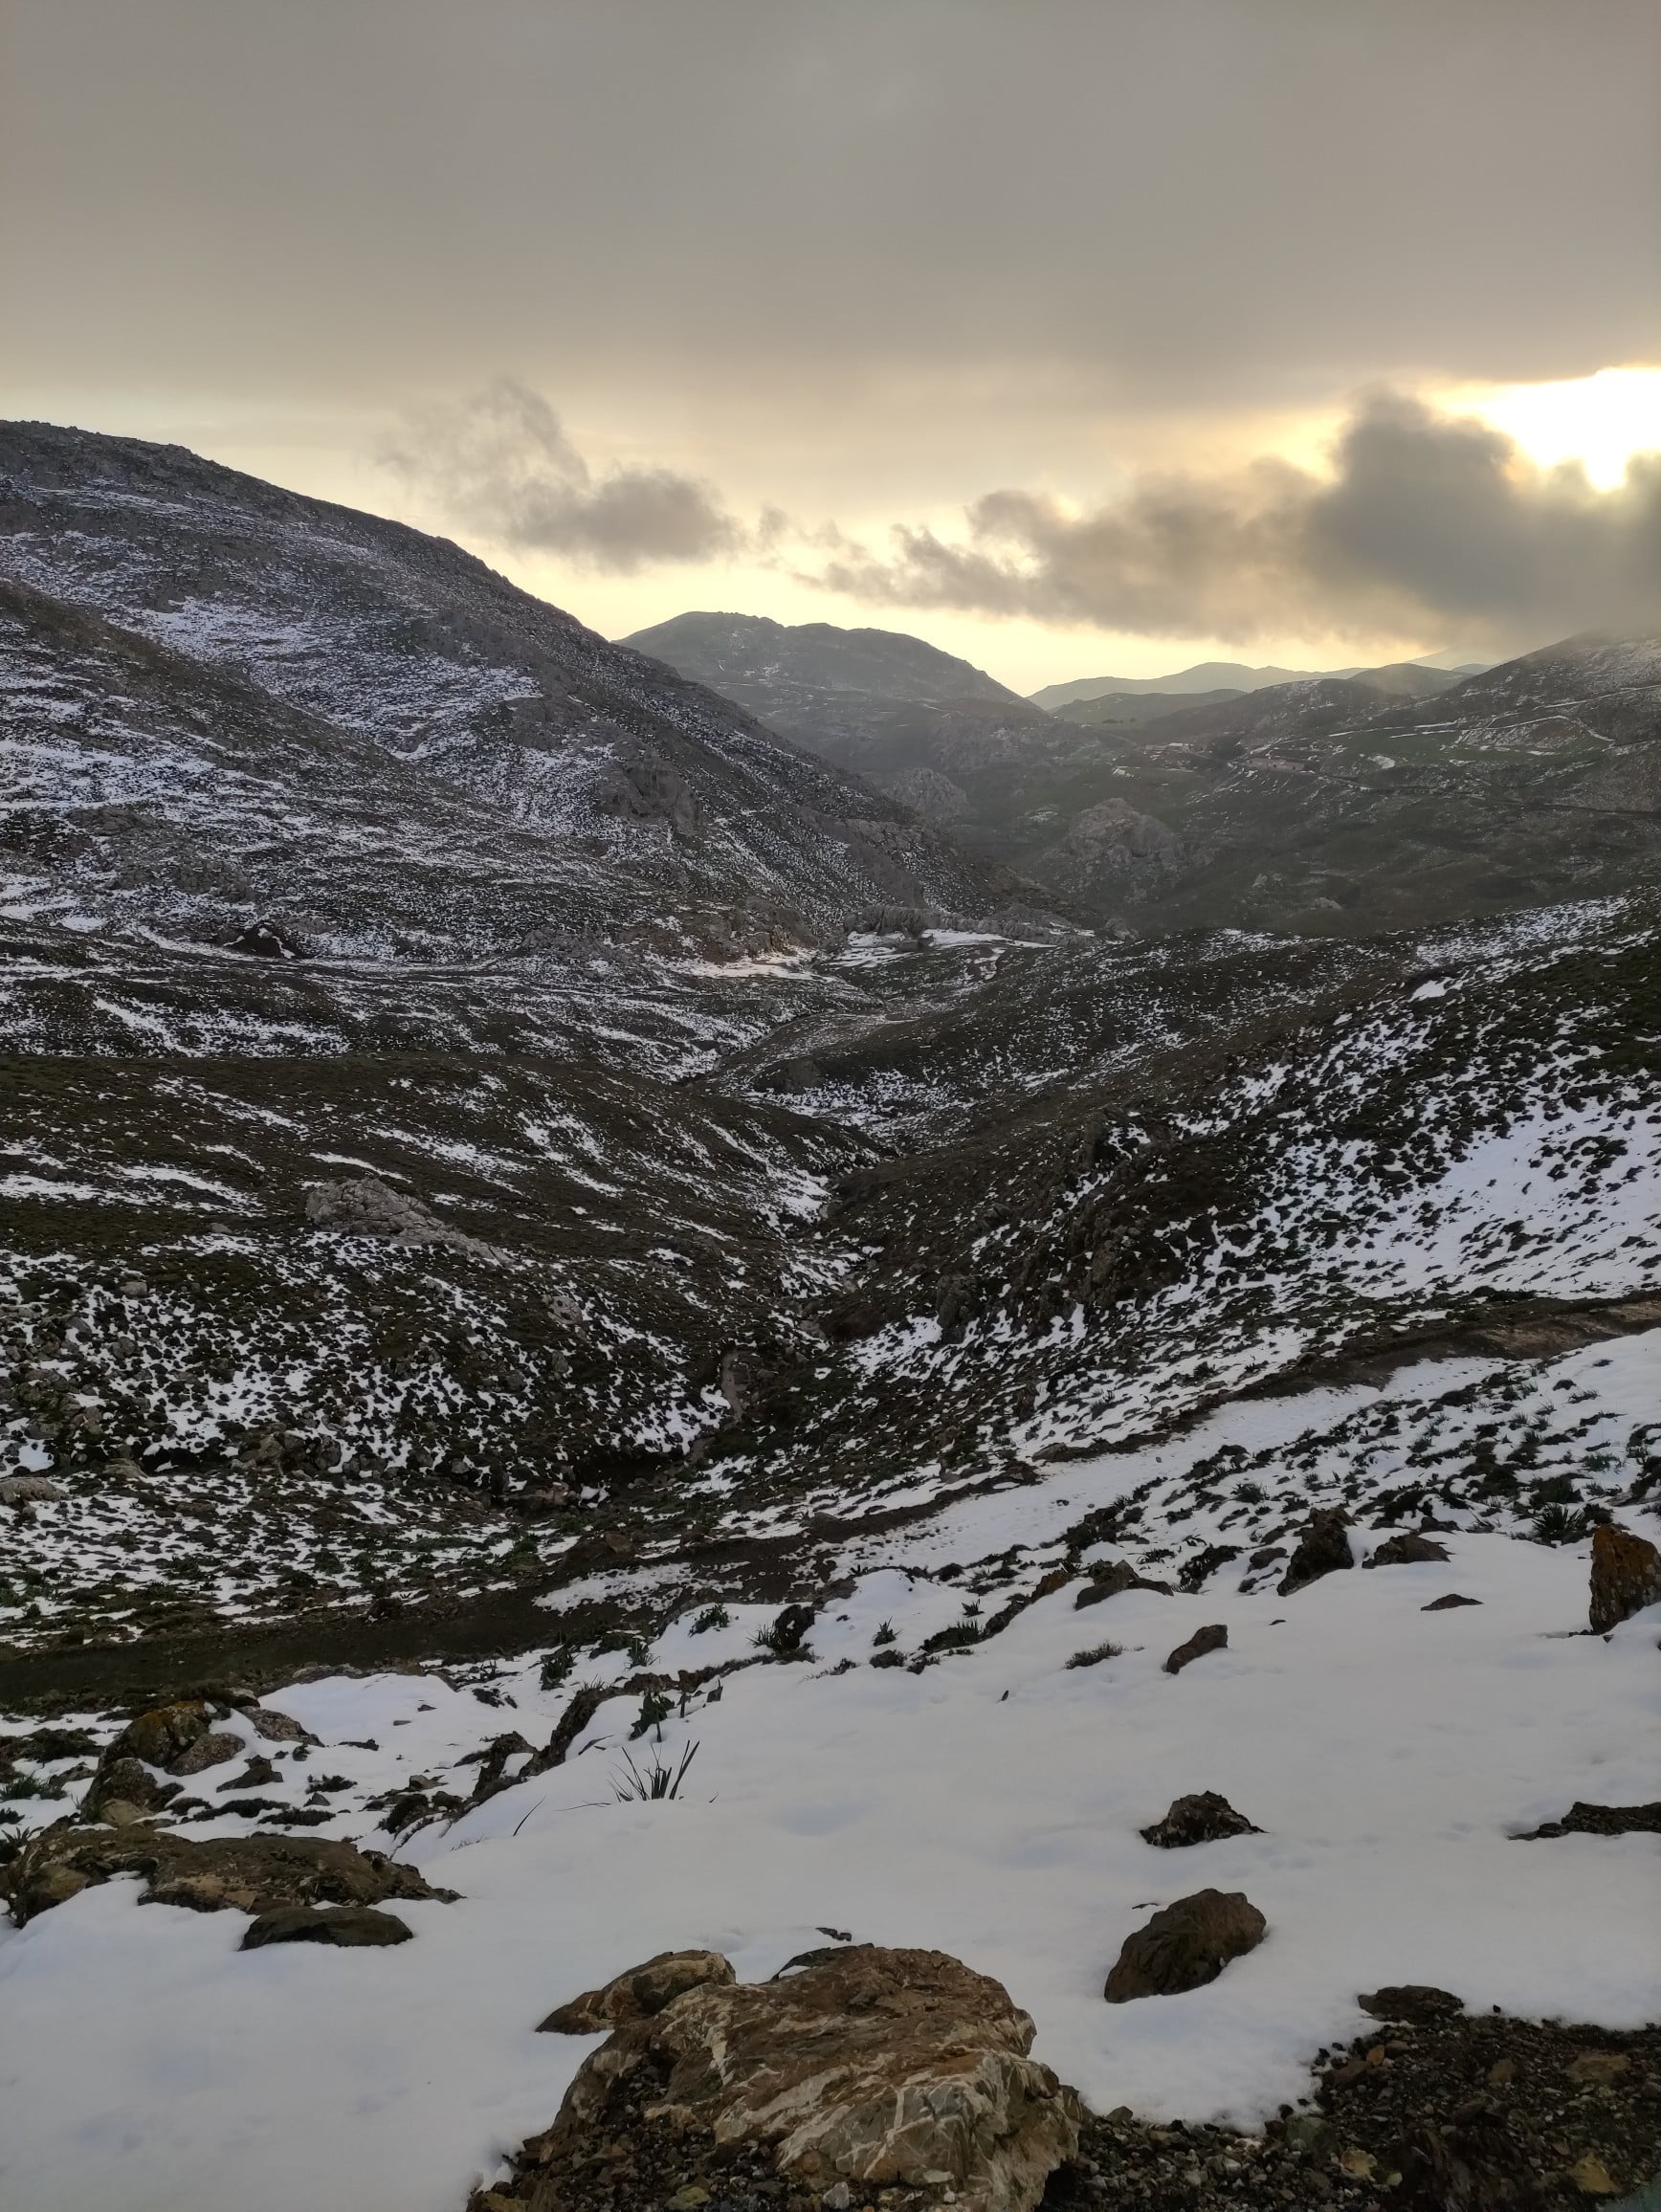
(1158,201)
(1424,521)
(500,466)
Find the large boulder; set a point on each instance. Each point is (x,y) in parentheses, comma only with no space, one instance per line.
(859,2066)
(1322,1548)
(246,1873)
(1185,1946)
(1626,1576)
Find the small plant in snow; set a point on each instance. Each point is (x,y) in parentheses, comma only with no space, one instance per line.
(655,1708)
(885,1634)
(712,1617)
(557,1666)
(1096,1653)
(658,1782)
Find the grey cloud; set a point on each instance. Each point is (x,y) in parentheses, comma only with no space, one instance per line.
(502,467)
(1425,521)
(1158,201)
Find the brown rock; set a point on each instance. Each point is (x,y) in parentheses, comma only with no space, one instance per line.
(1205,1818)
(1212,1639)
(1407,1550)
(639,1994)
(868,2067)
(162,1735)
(215,1749)
(277,1727)
(1108,1581)
(1626,1576)
(1417,2001)
(348,1926)
(1185,1946)
(125,1781)
(1322,1548)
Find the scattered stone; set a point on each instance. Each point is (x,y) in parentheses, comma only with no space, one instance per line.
(1205,1818)
(348,1926)
(125,1782)
(246,1874)
(1407,1550)
(1448,1604)
(1322,1548)
(1626,1576)
(899,2071)
(639,1994)
(1418,2002)
(258,1774)
(1185,1946)
(31,1490)
(215,1749)
(1212,1639)
(275,1727)
(1588,1819)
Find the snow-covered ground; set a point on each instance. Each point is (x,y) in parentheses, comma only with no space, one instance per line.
(988,1804)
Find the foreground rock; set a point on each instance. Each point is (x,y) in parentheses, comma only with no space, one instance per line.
(1323,1548)
(244,1873)
(1626,1576)
(639,1994)
(860,2070)
(1185,1946)
(350,1927)
(1205,1818)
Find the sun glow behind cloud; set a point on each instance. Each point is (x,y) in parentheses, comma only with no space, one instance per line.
(1601,421)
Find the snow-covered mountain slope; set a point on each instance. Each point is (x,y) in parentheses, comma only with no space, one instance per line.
(271,699)
(908,1223)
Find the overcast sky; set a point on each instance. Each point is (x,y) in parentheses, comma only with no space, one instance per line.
(1074,337)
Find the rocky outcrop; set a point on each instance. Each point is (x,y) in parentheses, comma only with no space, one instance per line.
(1322,1548)
(639,1994)
(1205,1818)
(245,1873)
(861,2065)
(1626,1576)
(1185,1946)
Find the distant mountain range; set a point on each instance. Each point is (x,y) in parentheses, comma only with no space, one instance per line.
(1233,675)
(1329,802)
